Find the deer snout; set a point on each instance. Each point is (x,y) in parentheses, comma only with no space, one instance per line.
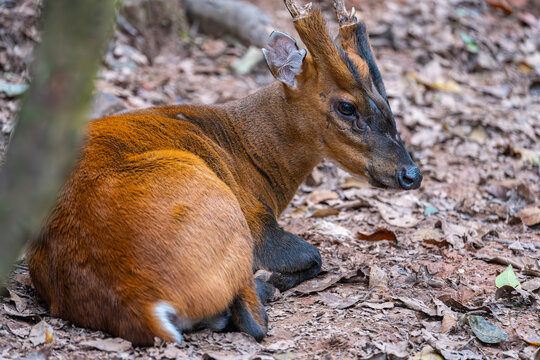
(409,177)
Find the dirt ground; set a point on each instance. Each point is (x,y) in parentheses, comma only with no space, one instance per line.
(463,80)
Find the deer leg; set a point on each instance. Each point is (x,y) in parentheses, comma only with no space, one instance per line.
(248,314)
(290,258)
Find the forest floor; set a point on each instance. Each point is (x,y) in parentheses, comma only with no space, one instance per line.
(463,81)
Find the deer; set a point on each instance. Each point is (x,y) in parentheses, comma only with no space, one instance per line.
(170,211)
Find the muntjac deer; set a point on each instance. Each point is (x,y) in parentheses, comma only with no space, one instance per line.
(170,210)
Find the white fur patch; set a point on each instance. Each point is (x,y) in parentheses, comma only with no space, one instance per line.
(170,321)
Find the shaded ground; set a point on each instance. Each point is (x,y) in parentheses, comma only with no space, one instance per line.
(463,84)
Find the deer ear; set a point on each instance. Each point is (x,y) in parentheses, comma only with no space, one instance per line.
(283,57)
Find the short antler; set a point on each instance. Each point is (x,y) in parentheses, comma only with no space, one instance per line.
(297,11)
(310,25)
(343,17)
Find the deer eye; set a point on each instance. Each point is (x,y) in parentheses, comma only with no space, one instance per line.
(346,108)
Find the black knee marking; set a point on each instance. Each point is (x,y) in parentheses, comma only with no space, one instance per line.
(265,290)
(290,258)
(242,319)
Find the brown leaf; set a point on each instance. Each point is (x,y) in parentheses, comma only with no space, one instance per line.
(424,234)
(318,284)
(456,305)
(304,211)
(18,329)
(377,306)
(319,196)
(454,233)
(354,183)
(378,235)
(13,312)
(338,302)
(501,5)
(497,190)
(442,243)
(448,322)
(20,304)
(41,333)
(109,344)
(415,304)
(319,213)
(530,216)
(173,352)
(531,285)
(516,262)
(397,216)
(378,278)
(508,291)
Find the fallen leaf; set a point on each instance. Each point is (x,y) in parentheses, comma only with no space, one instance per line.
(448,323)
(338,302)
(13,312)
(354,183)
(450,349)
(319,213)
(456,305)
(20,304)
(422,235)
(41,333)
(454,233)
(330,229)
(439,83)
(497,190)
(378,278)
(501,5)
(18,329)
(530,216)
(173,352)
(428,353)
(378,235)
(517,263)
(400,218)
(441,243)
(531,285)
(397,350)
(377,306)
(304,211)
(318,284)
(109,344)
(415,304)
(319,196)
(353,204)
(507,291)
(281,345)
(507,277)
(486,331)
(301,211)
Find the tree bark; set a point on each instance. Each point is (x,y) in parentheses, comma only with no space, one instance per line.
(46,138)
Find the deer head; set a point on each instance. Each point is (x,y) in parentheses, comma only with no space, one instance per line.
(339,87)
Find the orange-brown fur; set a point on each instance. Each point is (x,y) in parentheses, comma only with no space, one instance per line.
(167,203)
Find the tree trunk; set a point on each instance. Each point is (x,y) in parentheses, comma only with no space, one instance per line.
(46,138)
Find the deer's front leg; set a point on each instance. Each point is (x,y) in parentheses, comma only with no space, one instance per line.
(290,258)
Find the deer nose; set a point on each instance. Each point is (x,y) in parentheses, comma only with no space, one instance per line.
(409,177)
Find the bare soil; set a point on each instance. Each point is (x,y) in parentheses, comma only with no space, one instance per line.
(463,82)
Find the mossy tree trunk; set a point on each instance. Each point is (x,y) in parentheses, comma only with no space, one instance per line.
(46,138)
